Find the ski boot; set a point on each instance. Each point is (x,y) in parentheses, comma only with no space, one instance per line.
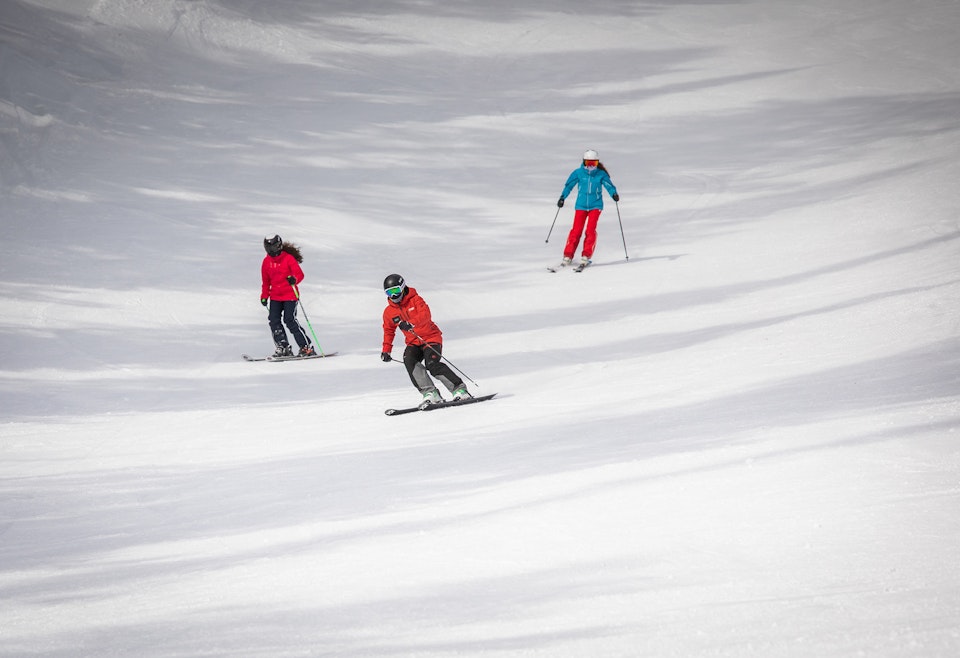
(430,397)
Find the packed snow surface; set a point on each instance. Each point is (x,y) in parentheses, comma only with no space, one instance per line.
(736,434)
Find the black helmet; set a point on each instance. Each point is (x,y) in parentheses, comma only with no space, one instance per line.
(395,287)
(273,245)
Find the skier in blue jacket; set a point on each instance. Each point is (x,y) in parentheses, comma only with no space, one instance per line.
(590,178)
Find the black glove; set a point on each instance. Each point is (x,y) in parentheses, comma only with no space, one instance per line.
(405,326)
(385,357)
(616,197)
(263,301)
(560,202)
(292,280)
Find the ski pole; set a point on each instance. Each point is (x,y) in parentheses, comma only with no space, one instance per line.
(551,225)
(622,237)
(296,291)
(449,362)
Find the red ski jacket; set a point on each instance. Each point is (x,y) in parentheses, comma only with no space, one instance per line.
(274,272)
(414,310)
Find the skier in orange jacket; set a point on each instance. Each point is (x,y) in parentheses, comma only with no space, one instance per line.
(407,311)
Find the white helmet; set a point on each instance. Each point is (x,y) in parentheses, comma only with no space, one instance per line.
(590,154)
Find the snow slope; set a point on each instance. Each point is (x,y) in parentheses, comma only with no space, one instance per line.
(742,440)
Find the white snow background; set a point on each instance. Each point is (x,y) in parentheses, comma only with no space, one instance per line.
(740,441)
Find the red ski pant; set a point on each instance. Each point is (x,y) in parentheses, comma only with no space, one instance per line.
(581,218)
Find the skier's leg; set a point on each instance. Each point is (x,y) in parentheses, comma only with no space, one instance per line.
(290,319)
(413,360)
(590,237)
(439,369)
(276,328)
(573,238)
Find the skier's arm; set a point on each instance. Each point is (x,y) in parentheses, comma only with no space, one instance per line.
(611,188)
(571,181)
(265,285)
(296,271)
(389,332)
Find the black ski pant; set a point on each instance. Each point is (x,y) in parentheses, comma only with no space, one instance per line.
(287,311)
(423,359)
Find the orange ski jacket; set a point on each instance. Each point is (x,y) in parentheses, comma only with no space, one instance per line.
(414,310)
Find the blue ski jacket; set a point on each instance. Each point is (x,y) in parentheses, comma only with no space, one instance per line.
(590,186)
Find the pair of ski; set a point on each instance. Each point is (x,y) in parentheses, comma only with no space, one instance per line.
(439,405)
(579,268)
(247,357)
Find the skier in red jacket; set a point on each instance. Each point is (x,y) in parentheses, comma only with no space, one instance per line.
(280,273)
(407,312)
